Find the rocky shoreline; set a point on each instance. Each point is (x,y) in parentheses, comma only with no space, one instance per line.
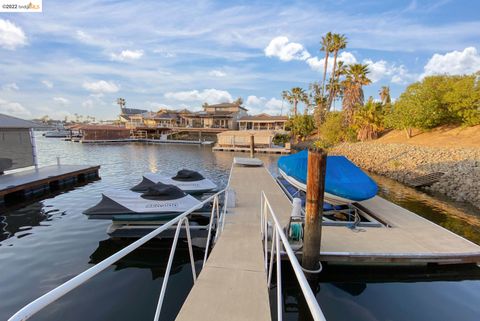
(403,162)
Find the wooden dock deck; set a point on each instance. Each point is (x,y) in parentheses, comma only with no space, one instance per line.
(35,181)
(233,284)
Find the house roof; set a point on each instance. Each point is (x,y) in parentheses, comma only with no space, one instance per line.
(226,105)
(133,111)
(7,121)
(264,117)
(208,114)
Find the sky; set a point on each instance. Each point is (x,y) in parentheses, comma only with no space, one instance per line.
(80,56)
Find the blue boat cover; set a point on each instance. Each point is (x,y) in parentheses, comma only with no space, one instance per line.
(343,178)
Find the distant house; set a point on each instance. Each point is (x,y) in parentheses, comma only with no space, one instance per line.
(262,122)
(17,143)
(131,115)
(224,115)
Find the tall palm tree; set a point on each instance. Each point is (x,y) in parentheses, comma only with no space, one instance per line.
(335,87)
(327,42)
(294,96)
(355,79)
(385,95)
(339,42)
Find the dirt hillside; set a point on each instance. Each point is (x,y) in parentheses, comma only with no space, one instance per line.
(439,137)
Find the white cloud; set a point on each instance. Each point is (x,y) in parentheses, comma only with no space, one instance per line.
(10,87)
(100,87)
(127,55)
(381,69)
(211,96)
(258,105)
(454,63)
(318,64)
(61,100)
(217,73)
(283,49)
(13,108)
(11,36)
(47,83)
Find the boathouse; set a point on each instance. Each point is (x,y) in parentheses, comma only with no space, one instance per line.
(17,143)
(95,133)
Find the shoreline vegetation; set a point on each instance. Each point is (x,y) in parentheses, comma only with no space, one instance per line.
(356,130)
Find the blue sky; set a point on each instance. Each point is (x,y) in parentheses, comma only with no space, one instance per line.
(78,57)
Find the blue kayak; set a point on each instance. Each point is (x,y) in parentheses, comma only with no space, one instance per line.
(344,181)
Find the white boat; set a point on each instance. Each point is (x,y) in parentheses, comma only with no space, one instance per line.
(57,133)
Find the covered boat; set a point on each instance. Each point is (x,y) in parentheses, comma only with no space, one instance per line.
(344,182)
(158,202)
(190,182)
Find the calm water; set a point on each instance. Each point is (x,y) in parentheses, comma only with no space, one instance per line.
(46,243)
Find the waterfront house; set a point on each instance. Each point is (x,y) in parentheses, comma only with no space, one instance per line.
(262,122)
(223,115)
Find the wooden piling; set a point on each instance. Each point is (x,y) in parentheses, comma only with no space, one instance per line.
(317,161)
(252,146)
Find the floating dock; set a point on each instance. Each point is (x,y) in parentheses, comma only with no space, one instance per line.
(267,150)
(233,283)
(29,183)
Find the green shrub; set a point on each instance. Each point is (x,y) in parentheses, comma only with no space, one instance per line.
(281,139)
(333,131)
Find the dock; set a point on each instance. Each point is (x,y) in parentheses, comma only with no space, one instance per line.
(233,283)
(266,150)
(37,181)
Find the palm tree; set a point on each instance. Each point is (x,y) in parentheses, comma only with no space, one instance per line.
(294,96)
(368,119)
(385,98)
(327,47)
(339,42)
(121,102)
(356,78)
(335,87)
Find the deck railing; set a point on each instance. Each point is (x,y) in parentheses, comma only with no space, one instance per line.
(279,240)
(216,216)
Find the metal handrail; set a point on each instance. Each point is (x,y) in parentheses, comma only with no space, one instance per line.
(35,306)
(279,236)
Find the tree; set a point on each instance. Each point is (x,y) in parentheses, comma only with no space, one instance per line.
(339,42)
(326,45)
(385,95)
(355,79)
(463,99)
(369,120)
(301,126)
(121,102)
(238,101)
(294,96)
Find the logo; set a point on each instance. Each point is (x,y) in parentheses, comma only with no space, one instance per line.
(20,6)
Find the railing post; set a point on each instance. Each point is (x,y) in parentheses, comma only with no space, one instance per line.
(317,160)
(167,271)
(279,279)
(215,201)
(190,249)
